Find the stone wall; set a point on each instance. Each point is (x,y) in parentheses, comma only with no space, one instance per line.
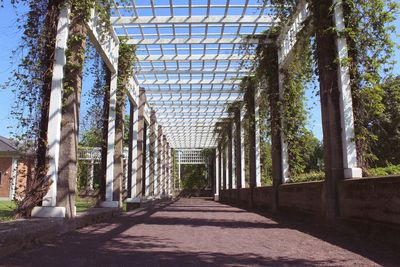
(304,197)
(368,199)
(375,199)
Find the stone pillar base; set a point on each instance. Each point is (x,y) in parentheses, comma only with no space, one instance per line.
(133,203)
(216,197)
(352,173)
(109,204)
(48,212)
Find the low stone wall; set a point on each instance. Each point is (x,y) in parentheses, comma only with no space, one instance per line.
(16,235)
(262,197)
(375,199)
(303,197)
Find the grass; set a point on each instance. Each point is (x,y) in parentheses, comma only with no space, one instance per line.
(84,204)
(7,208)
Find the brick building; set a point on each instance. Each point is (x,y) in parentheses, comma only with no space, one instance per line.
(14,175)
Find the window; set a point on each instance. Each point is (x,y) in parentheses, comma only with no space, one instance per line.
(1,178)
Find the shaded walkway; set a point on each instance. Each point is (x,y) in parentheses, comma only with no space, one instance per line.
(191,232)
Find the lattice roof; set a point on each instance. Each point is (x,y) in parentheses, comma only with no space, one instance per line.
(190,58)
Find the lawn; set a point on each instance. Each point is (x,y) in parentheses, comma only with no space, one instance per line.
(84,204)
(7,208)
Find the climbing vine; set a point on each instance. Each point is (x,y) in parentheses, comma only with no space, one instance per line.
(369,25)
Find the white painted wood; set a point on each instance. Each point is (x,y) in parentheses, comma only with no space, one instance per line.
(111,139)
(105,40)
(242,152)
(147,171)
(156,174)
(195,57)
(234,183)
(287,39)
(258,137)
(91,174)
(284,147)
(135,149)
(125,21)
(346,104)
(14,176)
(217,174)
(55,112)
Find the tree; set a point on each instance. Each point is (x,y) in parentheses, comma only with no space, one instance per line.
(386,127)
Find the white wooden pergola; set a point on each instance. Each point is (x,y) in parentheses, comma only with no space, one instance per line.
(189,59)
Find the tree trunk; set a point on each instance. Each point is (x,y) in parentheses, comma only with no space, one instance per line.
(66,184)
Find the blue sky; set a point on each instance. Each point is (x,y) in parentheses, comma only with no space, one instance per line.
(9,38)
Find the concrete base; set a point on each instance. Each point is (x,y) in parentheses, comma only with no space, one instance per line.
(352,173)
(216,197)
(109,204)
(133,203)
(48,212)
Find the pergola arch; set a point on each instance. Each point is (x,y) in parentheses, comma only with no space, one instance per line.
(189,71)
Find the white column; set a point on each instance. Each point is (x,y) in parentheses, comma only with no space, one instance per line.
(134,150)
(156,174)
(233,155)
(217,174)
(227,167)
(14,175)
(55,107)
(147,177)
(169,172)
(179,168)
(91,174)
(242,152)
(346,104)
(111,144)
(49,202)
(284,153)
(258,137)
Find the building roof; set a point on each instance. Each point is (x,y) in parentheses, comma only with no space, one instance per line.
(7,145)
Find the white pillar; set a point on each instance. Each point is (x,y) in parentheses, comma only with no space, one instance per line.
(217,174)
(227,167)
(242,152)
(111,144)
(284,146)
(258,137)
(134,151)
(156,174)
(179,168)
(49,202)
(91,174)
(147,176)
(55,107)
(346,104)
(14,175)
(233,134)
(169,172)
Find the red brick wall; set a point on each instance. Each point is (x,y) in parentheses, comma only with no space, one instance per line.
(6,170)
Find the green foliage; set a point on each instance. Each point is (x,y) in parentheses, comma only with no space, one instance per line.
(385,127)
(384,171)
(369,25)
(307,177)
(193,176)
